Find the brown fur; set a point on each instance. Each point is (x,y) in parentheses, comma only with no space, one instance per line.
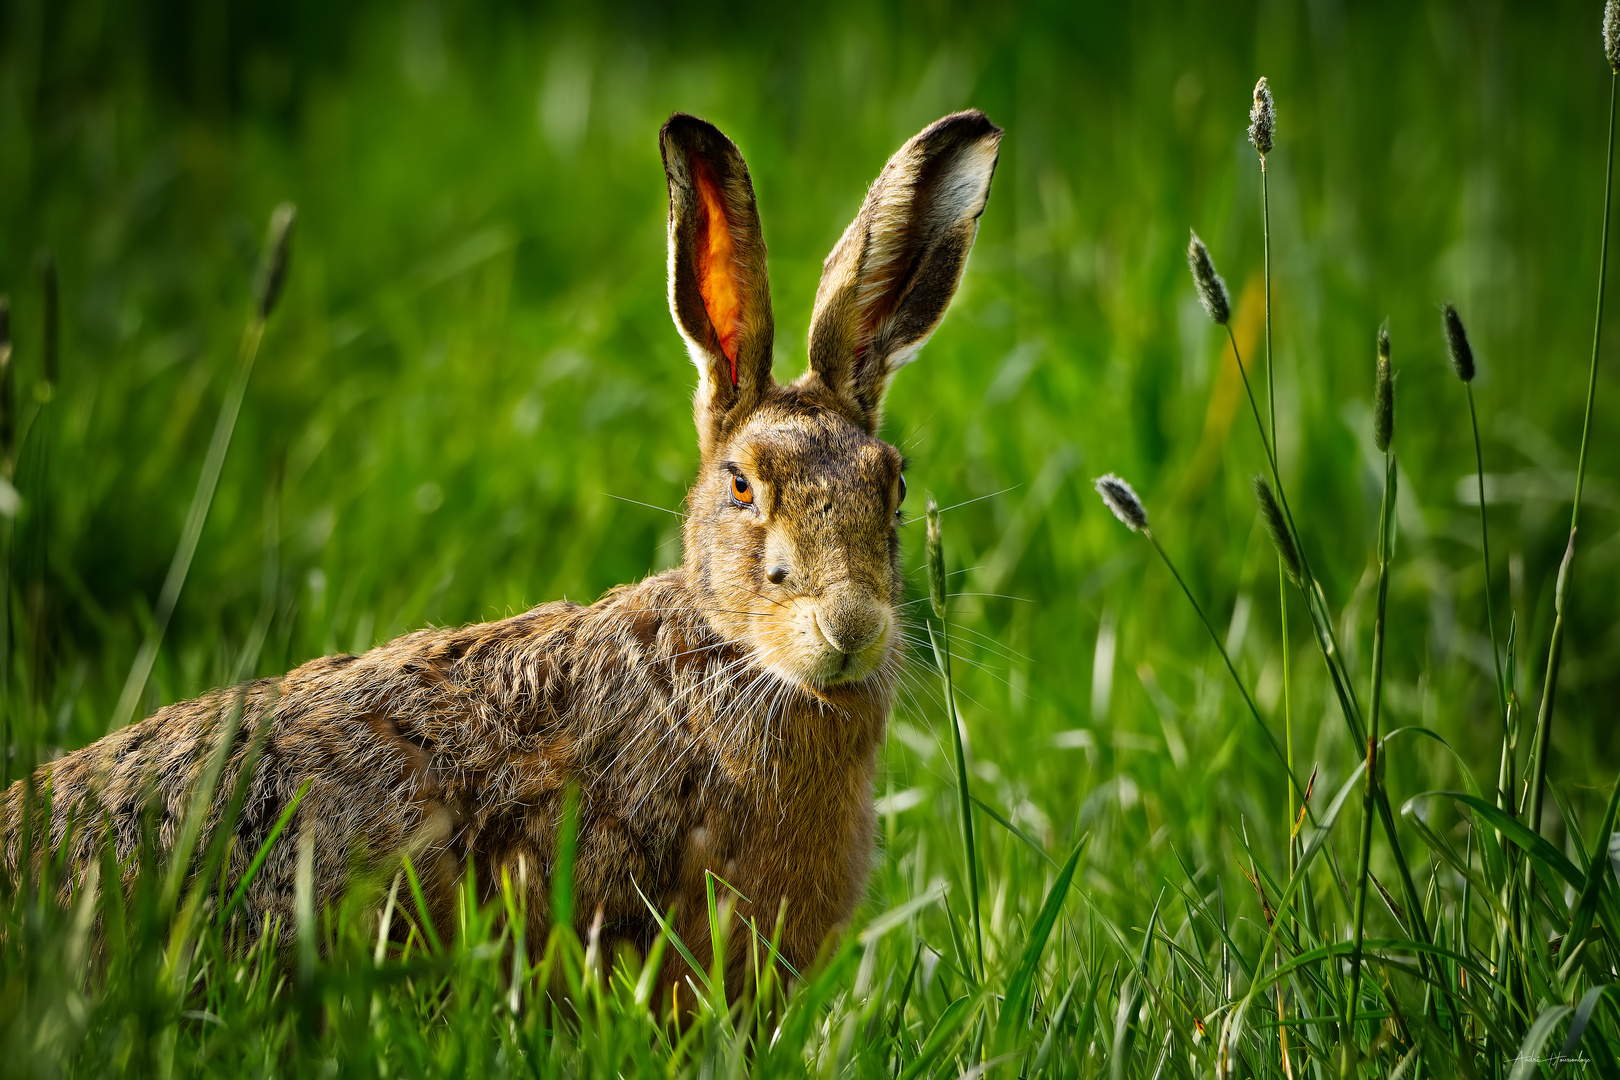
(724,715)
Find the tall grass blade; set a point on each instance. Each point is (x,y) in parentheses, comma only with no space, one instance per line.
(202,498)
(1485,549)
(1555,648)
(1527,1062)
(941,643)
(1533,844)
(1583,1016)
(1541,744)
(386,922)
(943,1037)
(1125,1020)
(202,799)
(1261,131)
(667,931)
(1029,841)
(562,871)
(1055,1025)
(1386,529)
(424,913)
(1598,874)
(1232,1029)
(304,908)
(970,848)
(1015,1000)
(263,853)
(899,916)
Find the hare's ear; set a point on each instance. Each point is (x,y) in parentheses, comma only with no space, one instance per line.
(718,290)
(888,281)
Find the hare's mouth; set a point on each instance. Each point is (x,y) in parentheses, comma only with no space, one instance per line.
(837,653)
(847,668)
(815,645)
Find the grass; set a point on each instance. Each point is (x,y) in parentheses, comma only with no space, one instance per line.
(470,400)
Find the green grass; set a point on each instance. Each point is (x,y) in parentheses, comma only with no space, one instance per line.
(472,384)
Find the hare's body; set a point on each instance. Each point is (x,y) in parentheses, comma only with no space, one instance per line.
(722,717)
(464,741)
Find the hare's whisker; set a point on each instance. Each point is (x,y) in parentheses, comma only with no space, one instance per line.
(981,498)
(648,505)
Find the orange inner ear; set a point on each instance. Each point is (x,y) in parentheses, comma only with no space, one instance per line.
(717,274)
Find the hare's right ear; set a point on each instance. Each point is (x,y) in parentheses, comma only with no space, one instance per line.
(718,290)
(887,283)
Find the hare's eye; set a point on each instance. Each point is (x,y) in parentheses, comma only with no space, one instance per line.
(740,490)
(902,487)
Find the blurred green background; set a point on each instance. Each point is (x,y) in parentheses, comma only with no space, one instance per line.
(473,365)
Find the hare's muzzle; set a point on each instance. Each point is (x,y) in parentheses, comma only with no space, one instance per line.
(856,628)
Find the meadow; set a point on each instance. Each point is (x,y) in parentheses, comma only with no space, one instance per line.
(470,400)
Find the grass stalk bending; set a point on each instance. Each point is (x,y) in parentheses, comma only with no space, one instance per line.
(1122,499)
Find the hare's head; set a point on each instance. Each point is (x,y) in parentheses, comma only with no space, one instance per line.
(791,541)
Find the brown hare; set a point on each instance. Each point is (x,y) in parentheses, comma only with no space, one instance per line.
(724,715)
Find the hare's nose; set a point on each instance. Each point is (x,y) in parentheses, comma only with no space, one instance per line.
(850,623)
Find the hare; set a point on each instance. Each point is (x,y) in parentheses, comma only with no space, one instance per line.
(721,716)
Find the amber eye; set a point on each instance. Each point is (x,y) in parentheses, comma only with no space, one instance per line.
(741,491)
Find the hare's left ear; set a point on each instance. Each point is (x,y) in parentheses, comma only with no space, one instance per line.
(885,287)
(718,290)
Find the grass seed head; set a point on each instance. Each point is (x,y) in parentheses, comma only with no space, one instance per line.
(1263,117)
(1462,355)
(1611,34)
(273,272)
(936,561)
(1383,394)
(1121,498)
(1277,525)
(1211,288)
